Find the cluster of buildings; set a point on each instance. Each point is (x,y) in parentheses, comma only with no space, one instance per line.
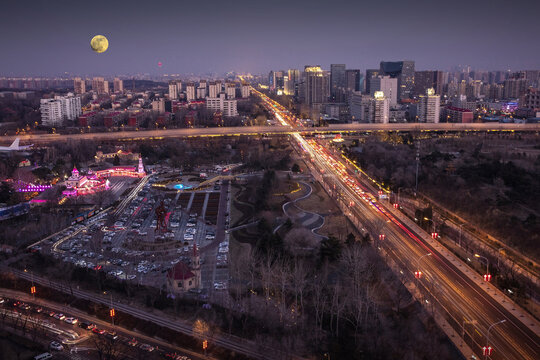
(107,103)
(218,96)
(396,92)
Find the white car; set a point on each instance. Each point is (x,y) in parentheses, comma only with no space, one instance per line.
(71,320)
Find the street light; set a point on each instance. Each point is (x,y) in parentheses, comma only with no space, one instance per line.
(488,349)
(418,273)
(487,277)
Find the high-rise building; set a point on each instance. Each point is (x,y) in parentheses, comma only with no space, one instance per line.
(203,84)
(353,80)
(424,80)
(404,72)
(201,92)
(515,88)
(100,85)
(429,107)
(531,99)
(316,85)
(159,105)
(337,81)
(173,90)
(370,74)
(79,85)
(55,111)
(361,108)
(118,85)
(213,90)
(51,112)
(381,108)
(386,84)
(190,92)
(230,90)
(245,91)
(227,106)
(292,81)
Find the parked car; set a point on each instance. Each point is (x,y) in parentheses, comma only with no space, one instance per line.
(59,316)
(71,320)
(147,347)
(55,345)
(86,325)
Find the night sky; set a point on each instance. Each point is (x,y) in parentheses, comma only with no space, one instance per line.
(50,37)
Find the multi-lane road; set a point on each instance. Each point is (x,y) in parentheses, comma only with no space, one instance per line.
(465,304)
(42,139)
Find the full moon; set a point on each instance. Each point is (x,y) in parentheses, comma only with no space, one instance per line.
(99,43)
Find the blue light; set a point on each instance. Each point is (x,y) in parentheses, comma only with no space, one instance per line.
(181,186)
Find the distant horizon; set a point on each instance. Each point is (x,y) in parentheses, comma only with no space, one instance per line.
(223,74)
(44,38)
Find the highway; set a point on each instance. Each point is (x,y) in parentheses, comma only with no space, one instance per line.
(230,342)
(461,299)
(42,139)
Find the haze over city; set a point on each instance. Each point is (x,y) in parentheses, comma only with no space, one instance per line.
(51,38)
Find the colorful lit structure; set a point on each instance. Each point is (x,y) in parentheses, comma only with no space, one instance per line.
(91,183)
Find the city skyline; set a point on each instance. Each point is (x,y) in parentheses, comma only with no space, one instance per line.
(190,38)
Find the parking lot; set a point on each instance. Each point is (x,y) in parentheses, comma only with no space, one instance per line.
(130,246)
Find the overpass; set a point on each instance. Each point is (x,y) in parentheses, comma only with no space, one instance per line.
(39,139)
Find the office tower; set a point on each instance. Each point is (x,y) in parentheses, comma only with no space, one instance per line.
(245,91)
(386,84)
(404,72)
(271,81)
(361,109)
(316,85)
(429,107)
(55,111)
(79,85)
(424,80)
(100,85)
(213,90)
(190,91)
(381,108)
(227,106)
(118,85)
(278,81)
(370,74)
(353,80)
(173,90)
(337,81)
(290,82)
(230,90)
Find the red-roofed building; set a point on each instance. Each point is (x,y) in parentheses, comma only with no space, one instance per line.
(459,115)
(182,277)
